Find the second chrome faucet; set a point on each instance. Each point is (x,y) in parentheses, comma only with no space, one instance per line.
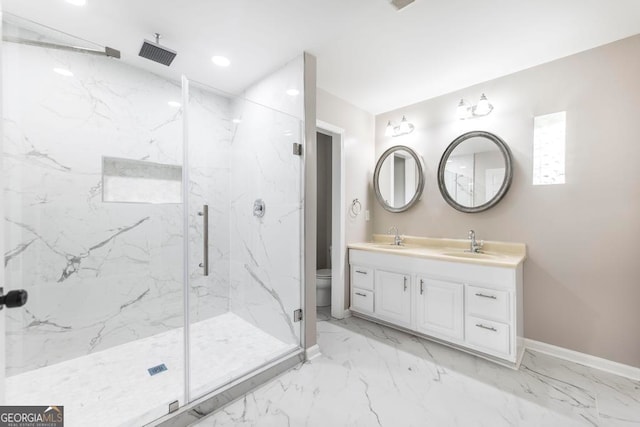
(397,239)
(474,245)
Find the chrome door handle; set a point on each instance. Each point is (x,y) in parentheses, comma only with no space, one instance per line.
(361,272)
(405,283)
(362,295)
(205,240)
(421,286)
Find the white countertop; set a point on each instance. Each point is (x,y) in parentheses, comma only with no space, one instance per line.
(496,254)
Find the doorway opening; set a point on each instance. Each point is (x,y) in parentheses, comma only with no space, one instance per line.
(331,251)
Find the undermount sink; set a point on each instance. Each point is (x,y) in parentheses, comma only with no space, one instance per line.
(471,255)
(389,246)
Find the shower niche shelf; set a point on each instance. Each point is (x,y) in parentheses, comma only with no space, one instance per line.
(139,181)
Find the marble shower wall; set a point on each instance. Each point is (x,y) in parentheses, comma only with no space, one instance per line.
(266,252)
(209,145)
(101,274)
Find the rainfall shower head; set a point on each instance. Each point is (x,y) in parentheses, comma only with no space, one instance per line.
(157,53)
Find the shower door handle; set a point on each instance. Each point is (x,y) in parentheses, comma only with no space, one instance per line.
(12,299)
(205,239)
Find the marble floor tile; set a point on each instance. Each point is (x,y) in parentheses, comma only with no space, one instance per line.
(323,313)
(91,387)
(371,375)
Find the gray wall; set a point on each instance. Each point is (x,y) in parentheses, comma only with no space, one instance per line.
(581,281)
(310,187)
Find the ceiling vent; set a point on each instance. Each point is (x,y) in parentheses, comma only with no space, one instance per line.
(401,4)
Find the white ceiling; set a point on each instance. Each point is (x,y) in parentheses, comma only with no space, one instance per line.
(368,54)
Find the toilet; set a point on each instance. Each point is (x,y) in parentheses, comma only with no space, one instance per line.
(323,287)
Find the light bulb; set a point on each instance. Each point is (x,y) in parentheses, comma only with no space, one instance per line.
(389,130)
(462,112)
(484,107)
(405,127)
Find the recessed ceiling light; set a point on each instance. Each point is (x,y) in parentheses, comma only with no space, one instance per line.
(174,104)
(63,72)
(293,92)
(77,2)
(221,61)
(236,121)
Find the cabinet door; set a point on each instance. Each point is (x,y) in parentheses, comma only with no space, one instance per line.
(440,309)
(393,297)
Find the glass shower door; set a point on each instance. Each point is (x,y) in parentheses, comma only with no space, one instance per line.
(245,195)
(92,165)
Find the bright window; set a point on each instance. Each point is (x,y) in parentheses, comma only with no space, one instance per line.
(549,148)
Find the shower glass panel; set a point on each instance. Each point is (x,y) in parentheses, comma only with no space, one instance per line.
(106,168)
(241,308)
(102,333)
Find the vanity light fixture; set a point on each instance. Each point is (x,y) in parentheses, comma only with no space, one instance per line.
(466,111)
(402,129)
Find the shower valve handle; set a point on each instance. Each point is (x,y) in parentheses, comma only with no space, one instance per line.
(12,299)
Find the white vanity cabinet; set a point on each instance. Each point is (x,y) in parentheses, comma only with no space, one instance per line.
(440,308)
(392,300)
(362,288)
(474,307)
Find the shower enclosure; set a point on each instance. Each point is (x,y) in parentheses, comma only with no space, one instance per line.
(155,224)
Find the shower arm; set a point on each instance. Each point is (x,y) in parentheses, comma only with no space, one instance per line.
(109,52)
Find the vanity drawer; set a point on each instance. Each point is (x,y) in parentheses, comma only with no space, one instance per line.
(362,300)
(488,303)
(487,335)
(361,277)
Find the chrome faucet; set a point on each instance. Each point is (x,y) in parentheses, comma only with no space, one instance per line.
(397,240)
(474,246)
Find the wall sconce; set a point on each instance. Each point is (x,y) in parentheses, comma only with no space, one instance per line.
(402,129)
(466,111)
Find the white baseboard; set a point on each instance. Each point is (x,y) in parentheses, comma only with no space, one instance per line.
(584,359)
(313,352)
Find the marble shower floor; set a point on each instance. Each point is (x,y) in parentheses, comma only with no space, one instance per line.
(371,375)
(113,388)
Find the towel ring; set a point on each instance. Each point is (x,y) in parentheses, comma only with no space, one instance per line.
(356,207)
